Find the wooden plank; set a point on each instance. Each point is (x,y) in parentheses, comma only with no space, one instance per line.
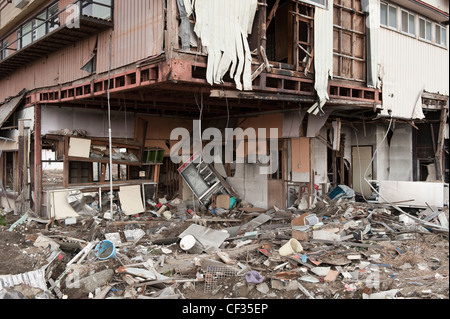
(272,13)
(345,243)
(440,146)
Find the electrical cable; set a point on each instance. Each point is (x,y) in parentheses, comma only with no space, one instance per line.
(430,225)
(111,196)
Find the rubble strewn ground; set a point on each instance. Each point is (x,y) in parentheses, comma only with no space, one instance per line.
(349,250)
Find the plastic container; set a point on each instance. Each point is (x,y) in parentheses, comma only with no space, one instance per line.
(190,244)
(105,250)
(291,247)
(336,192)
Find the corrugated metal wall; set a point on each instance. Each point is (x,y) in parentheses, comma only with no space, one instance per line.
(408,66)
(137,34)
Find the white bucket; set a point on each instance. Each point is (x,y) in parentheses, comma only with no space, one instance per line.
(191,245)
(291,247)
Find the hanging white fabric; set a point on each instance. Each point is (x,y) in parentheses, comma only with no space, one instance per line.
(323,57)
(224,26)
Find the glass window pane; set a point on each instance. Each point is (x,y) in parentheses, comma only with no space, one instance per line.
(54,17)
(428,30)
(393,17)
(404,21)
(444,37)
(422,28)
(383,14)
(412,25)
(40,26)
(438,34)
(26,34)
(100,11)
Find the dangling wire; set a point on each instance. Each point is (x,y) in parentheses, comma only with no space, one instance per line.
(111,196)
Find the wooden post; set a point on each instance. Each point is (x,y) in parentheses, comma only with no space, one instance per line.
(171,41)
(37,160)
(66,163)
(311,172)
(263,23)
(22,156)
(440,176)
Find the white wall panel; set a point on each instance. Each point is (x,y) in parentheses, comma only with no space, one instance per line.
(407,67)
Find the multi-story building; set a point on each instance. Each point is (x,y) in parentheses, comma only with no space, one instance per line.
(357,90)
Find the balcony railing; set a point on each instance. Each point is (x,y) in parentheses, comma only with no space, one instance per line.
(52,29)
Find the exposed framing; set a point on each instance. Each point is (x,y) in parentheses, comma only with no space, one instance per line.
(349,45)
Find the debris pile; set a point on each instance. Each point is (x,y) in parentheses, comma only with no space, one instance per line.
(340,249)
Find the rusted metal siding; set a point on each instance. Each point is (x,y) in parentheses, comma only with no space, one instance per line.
(137,34)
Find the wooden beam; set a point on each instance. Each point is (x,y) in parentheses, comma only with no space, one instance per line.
(440,146)
(272,13)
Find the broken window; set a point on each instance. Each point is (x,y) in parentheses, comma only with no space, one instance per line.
(290,33)
(424,148)
(349,43)
(9,168)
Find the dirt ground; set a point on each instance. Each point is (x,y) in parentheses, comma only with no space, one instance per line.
(418,268)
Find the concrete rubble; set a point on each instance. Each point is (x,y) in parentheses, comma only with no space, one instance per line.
(339,249)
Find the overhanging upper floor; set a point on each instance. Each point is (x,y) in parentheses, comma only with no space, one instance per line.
(53,29)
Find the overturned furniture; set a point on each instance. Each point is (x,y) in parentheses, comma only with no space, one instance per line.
(203,179)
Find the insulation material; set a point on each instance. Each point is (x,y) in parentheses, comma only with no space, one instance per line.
(373,25)
(131,200)
(323,57)
(223,27)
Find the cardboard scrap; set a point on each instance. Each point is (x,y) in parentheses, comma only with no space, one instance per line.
(131,200)
(331,276)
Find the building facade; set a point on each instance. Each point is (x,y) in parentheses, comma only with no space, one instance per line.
(92,91)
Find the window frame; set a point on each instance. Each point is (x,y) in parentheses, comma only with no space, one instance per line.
(35,24)
(443,40)
(409,14)
(431,30)
(388,21)
(316,3)
(4,49)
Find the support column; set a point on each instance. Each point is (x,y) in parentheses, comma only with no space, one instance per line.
(37,160)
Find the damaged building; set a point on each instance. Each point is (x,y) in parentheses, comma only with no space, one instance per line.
(92,91)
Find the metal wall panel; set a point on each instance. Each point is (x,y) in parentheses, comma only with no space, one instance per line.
(137,34)
(409,66)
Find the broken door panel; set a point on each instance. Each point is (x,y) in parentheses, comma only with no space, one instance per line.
(362,169)
(300,159)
